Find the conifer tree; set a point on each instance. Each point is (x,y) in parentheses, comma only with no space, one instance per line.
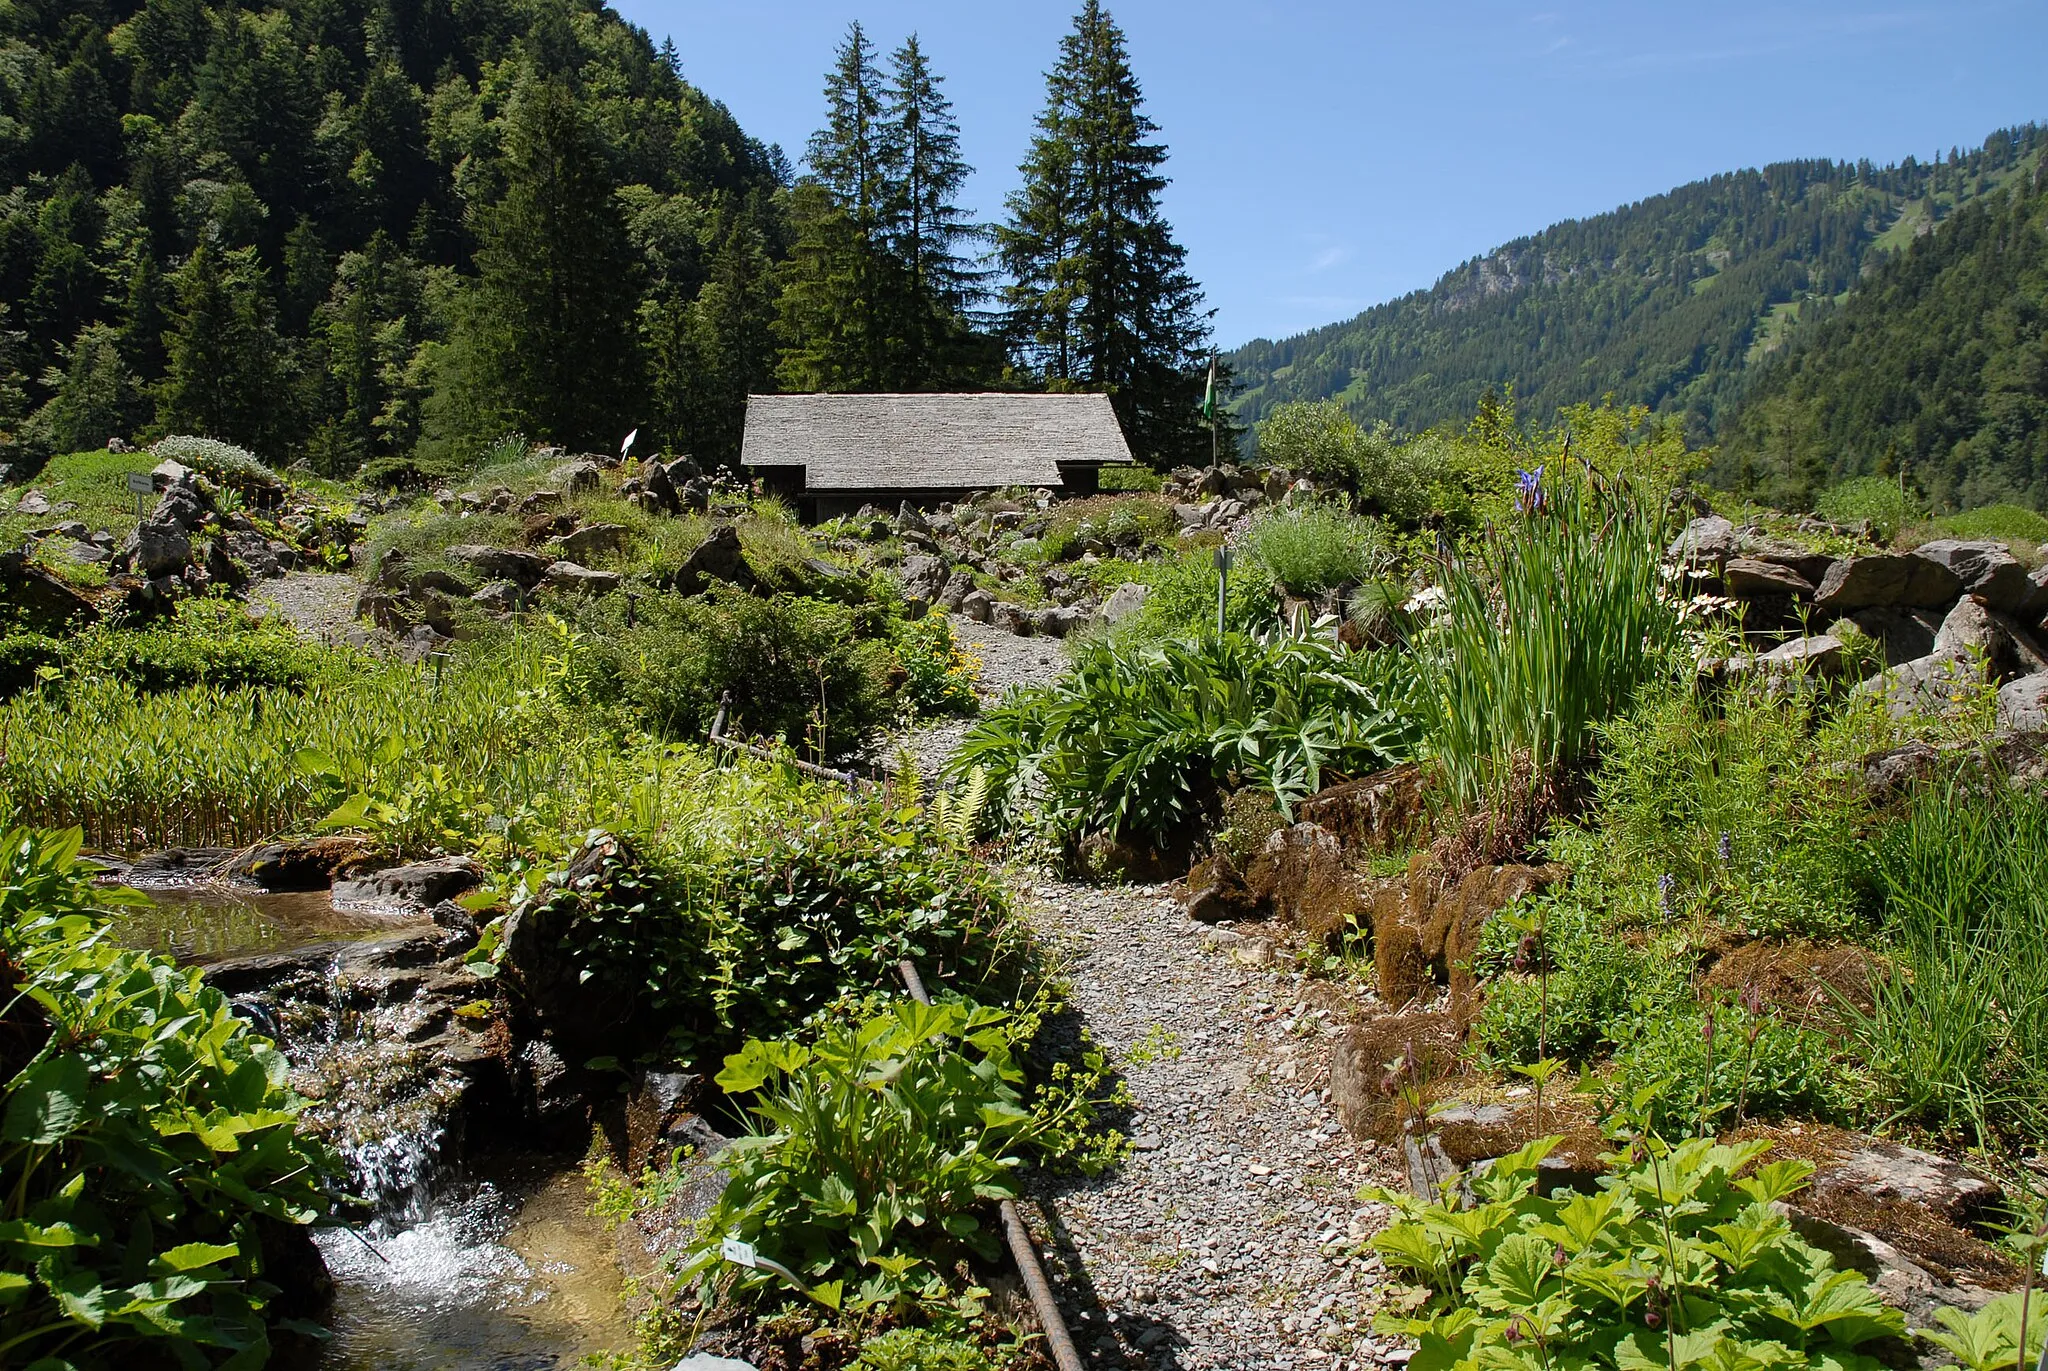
(551,323)
(833,312)
(226,366)
(924,225)
(1100,296)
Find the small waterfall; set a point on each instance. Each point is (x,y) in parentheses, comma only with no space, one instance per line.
(380,1097)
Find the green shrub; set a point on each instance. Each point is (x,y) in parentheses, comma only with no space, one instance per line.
(148,1139)
(1679,1260)
(1958,1038)
(207,642)
(1571,989)
(809,671)
(1144,741)
(1317,547)
(817,896)
(1551,627)
(1183,598)
(1719,1066)
(1753,806)
(1129,479)
(224,462)
(1989,1339)
(1879,499)
(878,1154)
(1322,440)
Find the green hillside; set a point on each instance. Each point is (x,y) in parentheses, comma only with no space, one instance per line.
(1667,302)
(1936,367)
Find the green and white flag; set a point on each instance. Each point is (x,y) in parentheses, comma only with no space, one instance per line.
(1209,396)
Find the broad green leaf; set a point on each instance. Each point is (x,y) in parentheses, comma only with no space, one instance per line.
(47,1101)
(1516,1274)
(193,1255)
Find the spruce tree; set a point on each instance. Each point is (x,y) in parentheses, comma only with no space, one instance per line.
(1100,296)
(551,321)
(924,226)
(226,366)
(834,312)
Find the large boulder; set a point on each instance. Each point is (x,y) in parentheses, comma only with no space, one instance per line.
(545,983)
(2009,650)
(1904,635)
(1375,813)
(1809,565)
(923,577)
(1421,927)
(1749,577)
(1123,602)
(1217,892)
(411,888)
(527,569)
(1706,541)
(1986,569)
(39,601)
(590,541)
(718,558)
(1887,579)
(581,580)
(1933,684)
(1303,877)
(2023,705)
(158,549)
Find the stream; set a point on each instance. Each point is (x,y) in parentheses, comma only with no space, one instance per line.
(485,1264)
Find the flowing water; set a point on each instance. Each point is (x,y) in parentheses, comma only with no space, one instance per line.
(485,1265)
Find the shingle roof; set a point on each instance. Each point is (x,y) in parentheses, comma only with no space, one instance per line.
(911,442)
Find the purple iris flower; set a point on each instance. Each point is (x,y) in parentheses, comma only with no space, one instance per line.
(1529,491)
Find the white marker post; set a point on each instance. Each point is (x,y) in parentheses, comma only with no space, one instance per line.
(141,485)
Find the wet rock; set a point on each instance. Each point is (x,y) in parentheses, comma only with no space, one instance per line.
(574,579)
(718,558)
(1746,578)
(1373,814)
(175,866)
(1987,570)
(548,988)
(524,568)
(409,888)
(305,864)
(651,1120)
(1887,579)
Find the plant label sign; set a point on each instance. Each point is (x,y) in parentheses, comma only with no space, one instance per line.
(737,1252)
(141,483)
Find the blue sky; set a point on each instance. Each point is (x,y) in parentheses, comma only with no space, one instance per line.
(1326,157)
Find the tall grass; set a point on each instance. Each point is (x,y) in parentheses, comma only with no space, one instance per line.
(206,766)
(1549,629)
(1959,1030)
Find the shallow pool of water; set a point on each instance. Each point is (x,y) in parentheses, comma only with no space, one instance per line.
(507,1272)
(210,923)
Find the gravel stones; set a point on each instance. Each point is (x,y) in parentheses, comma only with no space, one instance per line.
(1232,1237)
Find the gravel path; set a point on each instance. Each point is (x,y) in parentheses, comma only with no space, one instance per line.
(1233,1236)
(1006,660)
(320,604)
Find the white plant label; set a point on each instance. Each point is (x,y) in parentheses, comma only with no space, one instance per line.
(737,1252)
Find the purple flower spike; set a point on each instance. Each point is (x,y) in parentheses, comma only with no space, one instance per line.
(1529,490)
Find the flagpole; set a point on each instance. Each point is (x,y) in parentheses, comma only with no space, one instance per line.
(1213,451)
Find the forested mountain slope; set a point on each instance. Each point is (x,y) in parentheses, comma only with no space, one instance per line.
(337,227)
(1935,368)
(1667,302)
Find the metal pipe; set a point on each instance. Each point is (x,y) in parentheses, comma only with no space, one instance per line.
(718,737)
(1057,1339)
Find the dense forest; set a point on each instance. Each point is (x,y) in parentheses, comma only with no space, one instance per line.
(1668,302)
(371,236)
(1935,369)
